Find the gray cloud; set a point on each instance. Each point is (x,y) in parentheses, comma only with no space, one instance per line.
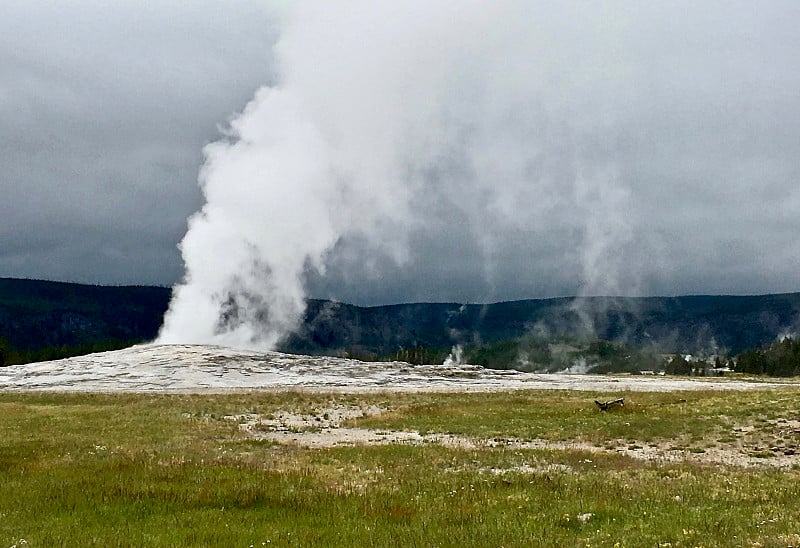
(696,107)
(105,109)
(689,113)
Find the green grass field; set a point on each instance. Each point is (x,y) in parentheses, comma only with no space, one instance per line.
(177,470)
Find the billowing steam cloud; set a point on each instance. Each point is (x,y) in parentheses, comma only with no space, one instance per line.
(398,125)
(386,115)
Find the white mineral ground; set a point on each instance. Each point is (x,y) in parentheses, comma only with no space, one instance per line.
(201,368)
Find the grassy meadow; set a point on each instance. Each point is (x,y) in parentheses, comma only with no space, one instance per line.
(177,470)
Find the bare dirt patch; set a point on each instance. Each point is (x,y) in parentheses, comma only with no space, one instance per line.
(327,427)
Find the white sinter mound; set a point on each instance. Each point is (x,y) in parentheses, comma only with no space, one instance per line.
(199,368)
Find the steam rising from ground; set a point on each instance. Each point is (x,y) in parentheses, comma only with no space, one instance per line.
(397,127)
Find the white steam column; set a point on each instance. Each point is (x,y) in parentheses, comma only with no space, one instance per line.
(386,116)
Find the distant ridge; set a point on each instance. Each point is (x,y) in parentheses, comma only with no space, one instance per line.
(686,324)
(38,313)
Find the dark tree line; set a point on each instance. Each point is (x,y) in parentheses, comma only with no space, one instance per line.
(13,356)
(780,359)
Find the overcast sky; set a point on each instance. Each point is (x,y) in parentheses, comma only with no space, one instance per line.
(104,110)
(690,113)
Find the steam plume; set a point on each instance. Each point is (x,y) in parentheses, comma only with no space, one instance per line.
(392,120)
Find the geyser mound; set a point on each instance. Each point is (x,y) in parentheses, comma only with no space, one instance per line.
(207,368)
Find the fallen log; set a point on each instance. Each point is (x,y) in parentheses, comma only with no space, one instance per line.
(605,405)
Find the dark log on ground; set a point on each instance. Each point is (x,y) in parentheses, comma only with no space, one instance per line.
(605,405)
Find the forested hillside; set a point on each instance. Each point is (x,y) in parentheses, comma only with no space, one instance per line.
(693,324)
(46,320)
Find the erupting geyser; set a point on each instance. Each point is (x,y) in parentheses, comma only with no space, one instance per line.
(397,124)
